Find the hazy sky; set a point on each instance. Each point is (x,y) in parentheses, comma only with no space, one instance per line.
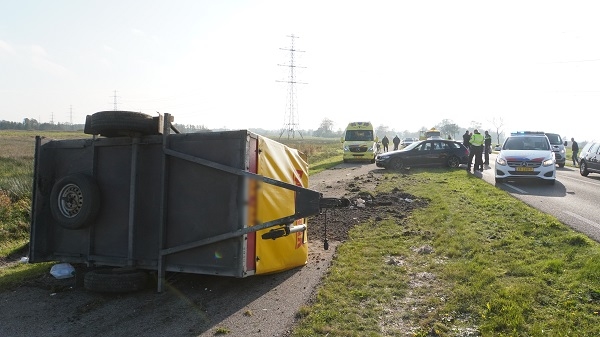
(403,64)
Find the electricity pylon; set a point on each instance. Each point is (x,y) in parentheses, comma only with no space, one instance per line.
(291,118)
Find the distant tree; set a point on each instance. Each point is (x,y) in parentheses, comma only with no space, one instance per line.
(448,128)
(325,129)
(475,125)
(381,131)
(189,128)
(30,124)
(498,124)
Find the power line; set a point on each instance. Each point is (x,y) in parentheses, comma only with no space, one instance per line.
(115,101)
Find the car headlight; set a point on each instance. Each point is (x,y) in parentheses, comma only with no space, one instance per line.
(500,161)
(548,162)
(382,157)
(346,148)
(370,149)
(562,151)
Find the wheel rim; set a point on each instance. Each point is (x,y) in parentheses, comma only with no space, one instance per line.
(453,162)
(582,167)
(397,164)
(70,200)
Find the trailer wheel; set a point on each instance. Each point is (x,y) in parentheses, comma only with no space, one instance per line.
(74,201)
(115,280)
(122,123)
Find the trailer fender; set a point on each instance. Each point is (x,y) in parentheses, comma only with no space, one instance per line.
(115,280)
(75,201)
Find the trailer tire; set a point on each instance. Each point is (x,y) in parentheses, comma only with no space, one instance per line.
(115,280)
(122,124)
(75,201)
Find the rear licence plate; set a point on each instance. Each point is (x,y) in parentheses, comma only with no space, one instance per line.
(524,169)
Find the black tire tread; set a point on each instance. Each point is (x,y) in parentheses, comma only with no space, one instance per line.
(453,162)
(123,123)
(583,169)
(115,280)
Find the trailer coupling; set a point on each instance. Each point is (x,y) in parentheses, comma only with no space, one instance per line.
(289,228)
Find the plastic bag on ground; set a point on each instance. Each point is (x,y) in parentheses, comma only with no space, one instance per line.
(62,270)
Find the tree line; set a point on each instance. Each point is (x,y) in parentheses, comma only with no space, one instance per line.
(29,124)
(447,127)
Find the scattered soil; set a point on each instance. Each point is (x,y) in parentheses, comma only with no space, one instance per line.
(357,185)
(334,224)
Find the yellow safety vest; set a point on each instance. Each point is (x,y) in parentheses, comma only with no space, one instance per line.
(476,139)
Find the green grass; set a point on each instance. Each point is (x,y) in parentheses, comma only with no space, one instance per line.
(16,159)
(497,266)
(322,153)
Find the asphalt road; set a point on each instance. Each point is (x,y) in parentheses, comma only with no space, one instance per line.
(573,199)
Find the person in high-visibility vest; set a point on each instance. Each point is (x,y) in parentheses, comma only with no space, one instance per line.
(476,142)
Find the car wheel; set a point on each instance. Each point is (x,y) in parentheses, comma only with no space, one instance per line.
(453,162)
(561,165)
(396,164)
(583,169)
(74,201)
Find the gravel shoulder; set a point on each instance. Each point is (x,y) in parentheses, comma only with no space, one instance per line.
(192,305)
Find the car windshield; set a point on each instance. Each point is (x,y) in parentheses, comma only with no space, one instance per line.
(412,146)
(359,135)
(526,143)
(554,138)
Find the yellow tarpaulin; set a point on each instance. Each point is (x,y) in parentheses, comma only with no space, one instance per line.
(282,163)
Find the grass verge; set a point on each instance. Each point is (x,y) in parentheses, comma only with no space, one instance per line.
(475,262)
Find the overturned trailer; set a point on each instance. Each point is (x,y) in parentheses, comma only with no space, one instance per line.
(228,203)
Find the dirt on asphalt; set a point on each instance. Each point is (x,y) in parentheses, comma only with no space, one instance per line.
(201,305)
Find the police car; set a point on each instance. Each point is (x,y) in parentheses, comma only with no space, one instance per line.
(526,155)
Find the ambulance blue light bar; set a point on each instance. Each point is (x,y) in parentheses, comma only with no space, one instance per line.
(524,133)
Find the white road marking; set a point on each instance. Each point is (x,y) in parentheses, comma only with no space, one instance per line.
(516,189)
(580,218)
(586,180)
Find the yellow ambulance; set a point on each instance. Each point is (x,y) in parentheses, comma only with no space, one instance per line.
(359,142)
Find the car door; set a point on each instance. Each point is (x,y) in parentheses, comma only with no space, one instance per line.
(594,157)
(422,154)
(439,153)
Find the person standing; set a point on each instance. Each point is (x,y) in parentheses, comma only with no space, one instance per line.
(396,141)
(487,143)
(385,142)
(466,139)
(476,142)
(575,149)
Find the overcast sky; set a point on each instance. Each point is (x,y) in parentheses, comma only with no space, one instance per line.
(535,65)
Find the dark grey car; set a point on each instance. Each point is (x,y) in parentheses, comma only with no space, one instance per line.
(589,159)
(558,147)
(431,152)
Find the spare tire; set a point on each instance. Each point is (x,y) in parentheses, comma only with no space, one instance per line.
(115,280)
(123,123)
(75,201)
